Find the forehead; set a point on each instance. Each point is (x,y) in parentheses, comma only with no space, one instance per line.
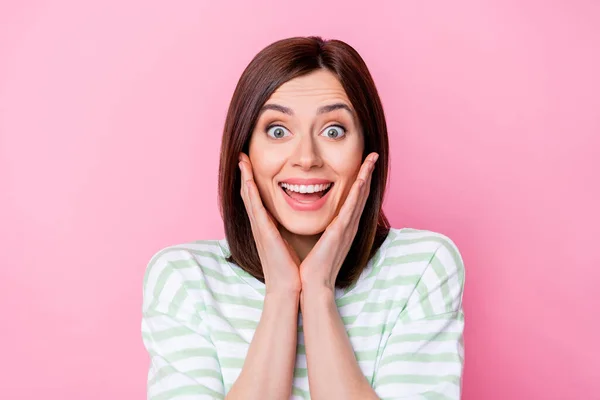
(312,89)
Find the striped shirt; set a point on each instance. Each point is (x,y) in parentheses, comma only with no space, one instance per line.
(403,316)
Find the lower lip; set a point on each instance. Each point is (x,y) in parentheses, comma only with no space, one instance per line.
(299,206)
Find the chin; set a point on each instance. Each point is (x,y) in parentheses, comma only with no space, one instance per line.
(304,225)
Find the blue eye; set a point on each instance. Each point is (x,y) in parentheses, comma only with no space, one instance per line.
(335,131)
(277,132)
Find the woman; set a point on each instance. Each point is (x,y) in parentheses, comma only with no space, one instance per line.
(311,294)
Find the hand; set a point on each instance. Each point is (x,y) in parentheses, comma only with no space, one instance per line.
(279,260)
(322,265)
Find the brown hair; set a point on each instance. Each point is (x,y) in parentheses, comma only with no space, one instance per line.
(276,64)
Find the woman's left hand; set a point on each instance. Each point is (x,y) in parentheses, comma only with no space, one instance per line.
(322,265)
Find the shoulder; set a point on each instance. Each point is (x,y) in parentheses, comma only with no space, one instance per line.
(180,267)
(419,240)
(432,258)
(423,247)
(435,267)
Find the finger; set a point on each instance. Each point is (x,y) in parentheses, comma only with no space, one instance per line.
(367,166)
(249,203)
(264,221)
(248,174)
(258,207)
(366,190)
(258,213)
(348,210)
(244,191)
(247,179)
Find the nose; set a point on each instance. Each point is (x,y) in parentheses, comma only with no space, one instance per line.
(306,154)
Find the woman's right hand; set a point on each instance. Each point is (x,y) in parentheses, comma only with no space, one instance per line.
(279,261)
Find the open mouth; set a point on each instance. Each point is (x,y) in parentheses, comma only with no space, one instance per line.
(306,193)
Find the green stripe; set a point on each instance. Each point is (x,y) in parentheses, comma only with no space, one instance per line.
(226,279)
(207,271)
(372,307)
(424,299)
(406,258)
(368,330)
(237,323)
(230,337)
(226,298)
(231,362)
(183,248)
(424,293)
(296,391)
(421,357)
(185,354)
(458,262)
(170,249)
(429,337)
(451,316)
(427,396)
(417,379)
(402,280)
(431,237)
(443,277)
(160,285)
(197,373)
(177,301)
(382,283)
(342,301)
(300,372)
(362,331)
(436,396)
(235,300)
(367,355)
(375,268)
(170,333)
(187,390)
(204,372)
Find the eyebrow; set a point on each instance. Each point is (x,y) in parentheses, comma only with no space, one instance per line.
(321,110)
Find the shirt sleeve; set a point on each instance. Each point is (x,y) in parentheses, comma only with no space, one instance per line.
(183,359)
(424,354)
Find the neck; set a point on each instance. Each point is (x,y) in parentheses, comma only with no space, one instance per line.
(302,244)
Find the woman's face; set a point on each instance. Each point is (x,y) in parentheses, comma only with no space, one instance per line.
(306,151)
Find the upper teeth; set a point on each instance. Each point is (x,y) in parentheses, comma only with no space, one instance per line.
(306,188)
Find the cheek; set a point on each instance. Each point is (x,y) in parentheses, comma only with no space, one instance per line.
(264,169)
(346,164)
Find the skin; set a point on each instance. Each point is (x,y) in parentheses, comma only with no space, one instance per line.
(302,252)
(306,152)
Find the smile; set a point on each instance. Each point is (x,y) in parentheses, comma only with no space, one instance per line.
(306,195)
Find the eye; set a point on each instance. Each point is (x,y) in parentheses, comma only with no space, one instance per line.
(334,131)
(277,131)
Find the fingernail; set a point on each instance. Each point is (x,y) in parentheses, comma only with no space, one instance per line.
(375,157)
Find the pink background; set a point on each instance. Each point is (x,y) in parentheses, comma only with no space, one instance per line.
(110,123)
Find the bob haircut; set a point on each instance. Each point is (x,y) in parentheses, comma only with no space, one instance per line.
(276,64)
